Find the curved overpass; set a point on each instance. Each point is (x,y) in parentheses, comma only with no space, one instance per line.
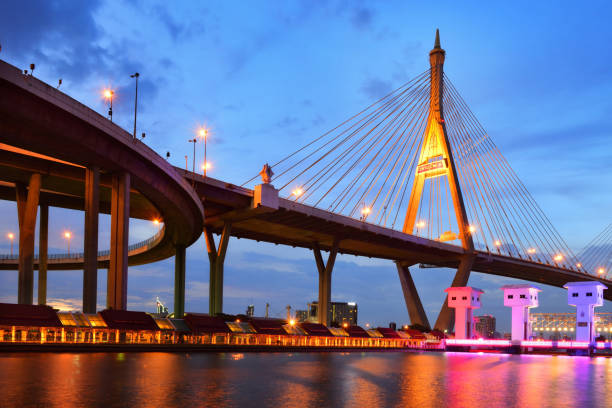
(45,133)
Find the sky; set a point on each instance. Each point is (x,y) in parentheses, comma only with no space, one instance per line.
(266,77)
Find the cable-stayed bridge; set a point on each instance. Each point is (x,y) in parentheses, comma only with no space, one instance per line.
(413,178)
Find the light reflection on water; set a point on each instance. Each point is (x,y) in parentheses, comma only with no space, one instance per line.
(302,380)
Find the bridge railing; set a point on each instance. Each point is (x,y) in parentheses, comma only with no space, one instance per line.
(80,255)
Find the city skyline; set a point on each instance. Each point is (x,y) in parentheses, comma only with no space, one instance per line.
(251,107)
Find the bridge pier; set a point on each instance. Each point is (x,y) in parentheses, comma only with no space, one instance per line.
(43,239)
(116,294)
(27,208)
(411,296)
(446,318)
(216,257)
(179,281)
(325,273)
(90,247)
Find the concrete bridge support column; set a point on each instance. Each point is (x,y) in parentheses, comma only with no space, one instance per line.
(43,239)
(325,273)
(446,318)
(216,257)
(411,296)
(179,281)
(90,247)
(116,295)
(27,208)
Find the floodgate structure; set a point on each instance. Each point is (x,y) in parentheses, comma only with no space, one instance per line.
(413,178)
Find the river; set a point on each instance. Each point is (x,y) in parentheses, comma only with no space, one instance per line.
(372,379)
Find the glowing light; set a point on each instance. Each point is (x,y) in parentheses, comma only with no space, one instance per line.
(531,251)
(156,221)
(108,93)
(206,166)
(237,320)
(292,322)
(497,242)
(472,228)
(601,271)
(421,224)
(297,192)
(345,325)
(203,132)
(578,265)
(366,210)
(67,234)
(558,257)
(10,236)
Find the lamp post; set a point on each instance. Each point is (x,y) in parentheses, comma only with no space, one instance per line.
(11,237)
(135,75)
(194,141)
(204,135)
(108,94)
(68,236)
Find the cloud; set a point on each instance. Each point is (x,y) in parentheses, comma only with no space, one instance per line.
(66,304)
(361,18)
(375,88)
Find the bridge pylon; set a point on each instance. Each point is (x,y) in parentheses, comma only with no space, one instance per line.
(436,161)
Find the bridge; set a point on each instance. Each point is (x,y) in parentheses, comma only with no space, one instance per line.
(344,192)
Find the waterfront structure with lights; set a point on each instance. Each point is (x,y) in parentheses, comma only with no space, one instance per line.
(464,300)
(521,298)
(557,326)
(585,296)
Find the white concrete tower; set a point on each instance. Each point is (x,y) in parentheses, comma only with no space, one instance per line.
(521,298)
(464,300)
(585,296)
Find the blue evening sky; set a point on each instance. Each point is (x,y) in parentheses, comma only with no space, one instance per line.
(268,76)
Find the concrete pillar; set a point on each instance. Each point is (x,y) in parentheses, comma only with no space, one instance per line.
(325,274)
(43,239)
(116,297)
(90,246)
(411,296)
(179,281)
(216,257)
(446,317)
(27,207)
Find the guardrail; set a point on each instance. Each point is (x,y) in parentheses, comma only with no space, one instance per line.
(80,255)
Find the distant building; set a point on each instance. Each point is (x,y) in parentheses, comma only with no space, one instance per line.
(556,326)
(301,315)
(338,314)
(485,326)
(160,309)
(250,312)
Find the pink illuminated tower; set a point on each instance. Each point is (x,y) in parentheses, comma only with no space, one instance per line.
(464,300)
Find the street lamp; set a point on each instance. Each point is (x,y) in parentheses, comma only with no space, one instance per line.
(11,237)
(108,94)
(135,75)
(203,132)
(68,236)
(194,141)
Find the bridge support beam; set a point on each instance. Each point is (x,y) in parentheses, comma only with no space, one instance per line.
(43,239)
(27,208)
(411,296)
(216,257)
(116,294)
(325,273)
(90,247)
(446,318)
(179,281)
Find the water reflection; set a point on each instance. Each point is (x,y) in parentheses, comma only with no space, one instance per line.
(302,380)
